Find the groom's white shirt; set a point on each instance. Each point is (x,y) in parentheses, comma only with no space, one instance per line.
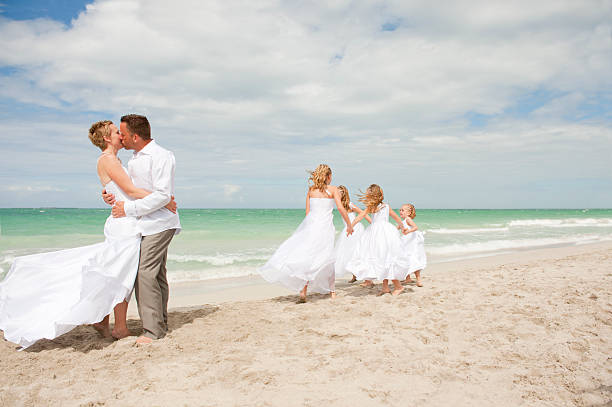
(152,168)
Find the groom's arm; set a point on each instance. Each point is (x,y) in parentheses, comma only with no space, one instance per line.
(163,176)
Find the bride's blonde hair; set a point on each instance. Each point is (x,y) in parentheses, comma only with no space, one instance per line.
(372,198)
(319,177)
(98,131)
(344,197)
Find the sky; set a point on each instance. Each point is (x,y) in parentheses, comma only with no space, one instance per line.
(458,104)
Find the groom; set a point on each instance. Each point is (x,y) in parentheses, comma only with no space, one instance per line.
(151,168)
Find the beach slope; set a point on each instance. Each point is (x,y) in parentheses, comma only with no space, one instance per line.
(532,328)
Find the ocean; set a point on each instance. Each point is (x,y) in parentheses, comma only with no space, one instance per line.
(220,243)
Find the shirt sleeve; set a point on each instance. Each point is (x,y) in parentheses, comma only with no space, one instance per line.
(163,174)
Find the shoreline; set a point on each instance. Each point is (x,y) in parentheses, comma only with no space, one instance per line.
(253,287)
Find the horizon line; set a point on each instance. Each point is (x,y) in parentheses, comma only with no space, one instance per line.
(301,208)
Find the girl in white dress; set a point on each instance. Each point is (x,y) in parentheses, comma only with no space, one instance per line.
(413,244)
(48,294)
(377,255)
(306,259)
(345,245)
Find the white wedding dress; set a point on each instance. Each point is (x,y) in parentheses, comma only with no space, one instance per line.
(307,257)
(377,255)
(46,295)
(346,246)
(412,248)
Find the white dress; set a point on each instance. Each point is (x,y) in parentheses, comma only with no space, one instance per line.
(413,250)
(346,245)
(377,255)
(307,256)
(46,295)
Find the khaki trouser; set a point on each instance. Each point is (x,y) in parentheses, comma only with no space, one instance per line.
(151,284)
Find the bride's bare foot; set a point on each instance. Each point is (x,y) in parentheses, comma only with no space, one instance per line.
(419,283)
(352,280)
(383,292)
(144,340)
(103,329)
(332,295)
(367,284)
(120,333)
(397,291)
(408,280)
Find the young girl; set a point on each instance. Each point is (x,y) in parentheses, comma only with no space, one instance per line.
(378,251)
(413,244)
(345,246)
(307,257)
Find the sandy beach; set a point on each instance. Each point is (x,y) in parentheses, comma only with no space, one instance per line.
(531,328)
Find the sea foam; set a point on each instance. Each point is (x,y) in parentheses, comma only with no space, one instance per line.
(563,223)
(210,274)
(446,231)
(508,244)
(223,259)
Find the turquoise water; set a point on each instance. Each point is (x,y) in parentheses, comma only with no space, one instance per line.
(217,243)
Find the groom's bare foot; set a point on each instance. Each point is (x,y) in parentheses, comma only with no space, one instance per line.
(332,295)
(144,340)
(367,284)
(103,329)
(120,333)
(352,280)
(383,292)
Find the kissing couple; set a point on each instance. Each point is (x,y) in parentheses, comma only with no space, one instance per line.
(48,294)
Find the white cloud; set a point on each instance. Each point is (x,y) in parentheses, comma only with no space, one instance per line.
(32,188)
(230,190)
(254,93)
(246,61)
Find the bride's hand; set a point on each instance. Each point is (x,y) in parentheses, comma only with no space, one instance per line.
(171,206)
(108,198)
(349,230)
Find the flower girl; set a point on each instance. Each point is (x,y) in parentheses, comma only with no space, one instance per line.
(413,244)
(377,255)
(345,246)
(306,259)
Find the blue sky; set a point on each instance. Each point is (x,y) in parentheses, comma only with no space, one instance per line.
(476,104)
(60,10)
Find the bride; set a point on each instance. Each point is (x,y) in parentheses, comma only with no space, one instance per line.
(48,294)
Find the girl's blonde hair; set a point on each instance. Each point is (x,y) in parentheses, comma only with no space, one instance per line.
(372,198)
(344,197)
(411,210)
(98,131)
(319,177)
